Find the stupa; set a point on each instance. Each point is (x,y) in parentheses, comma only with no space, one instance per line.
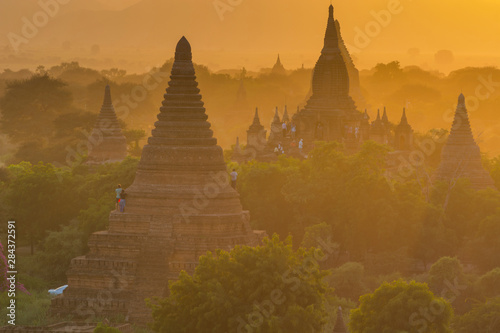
(179,207)
(339,324)
(107,143)
(330,110)
(278,67)
(461,157)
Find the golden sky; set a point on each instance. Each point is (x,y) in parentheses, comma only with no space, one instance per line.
(252,32)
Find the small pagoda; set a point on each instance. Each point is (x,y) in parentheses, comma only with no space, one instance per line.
(107,144)
(461,157)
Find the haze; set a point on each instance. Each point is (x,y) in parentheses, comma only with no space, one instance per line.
(136,34)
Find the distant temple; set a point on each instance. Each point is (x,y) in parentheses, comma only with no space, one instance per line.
(330,110)
(107,143)
(179,207)
(278,67)
(339,324)
(461,157)
(330,113)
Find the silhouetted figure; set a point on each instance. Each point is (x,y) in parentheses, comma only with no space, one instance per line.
(234,177)
(122,202)
(118,193)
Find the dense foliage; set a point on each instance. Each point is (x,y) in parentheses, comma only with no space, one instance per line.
(401,307)
(269,288)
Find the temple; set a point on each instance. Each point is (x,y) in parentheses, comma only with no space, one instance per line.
(107,143)
(278,67)
(330,113)
(330,110)
(179,207)
(339,324)
(461,157)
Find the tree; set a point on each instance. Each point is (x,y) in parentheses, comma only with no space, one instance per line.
(56,252)
(133,137)
(401,307)
(268,288)
(488,285)
(485,246)
(348,280)
(444,272)
(30,106)
(484,318)
(40,197)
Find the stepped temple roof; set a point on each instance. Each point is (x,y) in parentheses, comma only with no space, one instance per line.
(179,207)
(461,157)
(107,142)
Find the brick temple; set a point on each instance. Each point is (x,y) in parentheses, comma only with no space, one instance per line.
(461,157)
(107,144)
(179,207)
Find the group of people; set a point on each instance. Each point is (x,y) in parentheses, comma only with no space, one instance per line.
(280,150)
(120,198)
(289,129)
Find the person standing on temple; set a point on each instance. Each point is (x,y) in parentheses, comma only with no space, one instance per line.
(118,194)
(284,128)
(123,196)
(301,145)
(234,177)
(293,130)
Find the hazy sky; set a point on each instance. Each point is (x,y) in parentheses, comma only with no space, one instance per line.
(251,32)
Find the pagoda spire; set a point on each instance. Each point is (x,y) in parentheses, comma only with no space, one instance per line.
(278,67)
(276,118)
(404,120)
(339,324)
(256,119)
(107,97)
(385,119)
(461,131)
(331,43)
(461,157)
(286,117)
(107,142)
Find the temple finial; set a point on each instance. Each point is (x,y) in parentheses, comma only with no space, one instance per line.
(404,120)
(331,35)
(461,99)
(183,50)
(107,96)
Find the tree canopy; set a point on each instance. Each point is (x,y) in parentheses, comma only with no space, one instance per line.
(268,288)
(401,307)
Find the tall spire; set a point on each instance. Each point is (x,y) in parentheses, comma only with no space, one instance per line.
(339,324)
(331,35)
(404,120)
(182,120)
(276,118)
(385,119)
(278,67)
(256,125)
(256,119)
(107,142)
(461,157)
(461,131)
(286,118)
(107,97)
